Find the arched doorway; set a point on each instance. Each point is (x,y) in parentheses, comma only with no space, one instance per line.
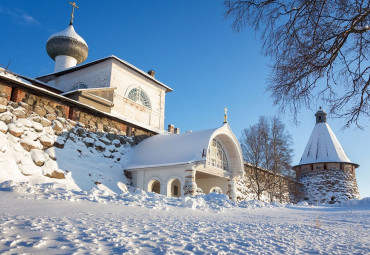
(174,188)
(216,190)
(154,186)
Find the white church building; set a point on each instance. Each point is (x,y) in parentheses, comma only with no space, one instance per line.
(168,163)
(180,164)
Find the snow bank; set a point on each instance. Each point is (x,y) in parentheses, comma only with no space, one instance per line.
(363,203)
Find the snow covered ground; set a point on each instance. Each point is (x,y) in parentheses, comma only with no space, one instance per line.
(47,219)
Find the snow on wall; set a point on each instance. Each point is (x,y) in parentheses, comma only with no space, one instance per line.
(329,186)
(246,189)
(37,150)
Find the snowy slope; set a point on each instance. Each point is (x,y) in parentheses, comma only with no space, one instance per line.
(61,152)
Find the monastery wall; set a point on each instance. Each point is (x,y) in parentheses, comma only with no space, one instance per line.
(29,100)
(33,145)
(264,185)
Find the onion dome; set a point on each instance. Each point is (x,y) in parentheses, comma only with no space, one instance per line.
(67,43)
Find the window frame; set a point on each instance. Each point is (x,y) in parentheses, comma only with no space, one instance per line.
(217,156)
(140,97)
(78,85)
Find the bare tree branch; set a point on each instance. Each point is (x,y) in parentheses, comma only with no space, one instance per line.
(312,41)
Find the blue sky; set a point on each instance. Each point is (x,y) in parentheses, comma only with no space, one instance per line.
(193,50)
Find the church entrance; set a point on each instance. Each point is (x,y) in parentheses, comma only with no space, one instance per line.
(174,188)
(211,183)
(155,186)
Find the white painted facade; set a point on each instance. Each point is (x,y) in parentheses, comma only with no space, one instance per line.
(63,62)
(115,73)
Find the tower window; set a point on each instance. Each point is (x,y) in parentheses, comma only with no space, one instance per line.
(139,96)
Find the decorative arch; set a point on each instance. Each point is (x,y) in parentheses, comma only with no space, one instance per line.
(154,185)
(139,96)
(79,85)
(174,187)
(232,149)
(216,189)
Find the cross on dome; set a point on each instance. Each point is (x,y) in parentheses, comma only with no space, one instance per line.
(73,10)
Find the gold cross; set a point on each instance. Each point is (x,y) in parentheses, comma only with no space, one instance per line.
(73,10)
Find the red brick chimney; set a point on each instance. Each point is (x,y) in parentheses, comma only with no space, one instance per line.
(171,128)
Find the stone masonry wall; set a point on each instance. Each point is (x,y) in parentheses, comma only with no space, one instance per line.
(51,108)
(35,129)
(272,187)
(329,186)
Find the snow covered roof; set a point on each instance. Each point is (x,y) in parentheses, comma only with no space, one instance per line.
(187,148)
(170,149)
(68,32)
(323,146)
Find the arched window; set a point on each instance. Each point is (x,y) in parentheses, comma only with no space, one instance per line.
(216,156)
(78,86)
(139,96)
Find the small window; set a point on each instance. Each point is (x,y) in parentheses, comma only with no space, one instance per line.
(78,86)
(139,96)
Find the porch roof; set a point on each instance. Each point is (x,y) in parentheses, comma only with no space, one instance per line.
(170,149)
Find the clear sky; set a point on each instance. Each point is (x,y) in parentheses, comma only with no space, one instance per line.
(193,50)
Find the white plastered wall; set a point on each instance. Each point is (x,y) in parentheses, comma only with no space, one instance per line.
(143,177)
(112,73)
(206,184)
(125,79)
(94,76)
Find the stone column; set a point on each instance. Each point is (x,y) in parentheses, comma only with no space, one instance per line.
(232,189)
(190,187)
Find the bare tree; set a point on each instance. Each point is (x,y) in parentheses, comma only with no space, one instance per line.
(267,145)
(252,143)
(310,41)
(281,156)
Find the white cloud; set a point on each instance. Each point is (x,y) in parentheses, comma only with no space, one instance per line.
(19,16)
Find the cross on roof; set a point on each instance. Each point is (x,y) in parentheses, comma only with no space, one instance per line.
(73,10)
(225,116)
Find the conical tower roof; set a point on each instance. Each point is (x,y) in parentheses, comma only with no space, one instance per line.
(323,145)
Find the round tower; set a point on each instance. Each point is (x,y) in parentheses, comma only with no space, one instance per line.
(67,48)
(327,174)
